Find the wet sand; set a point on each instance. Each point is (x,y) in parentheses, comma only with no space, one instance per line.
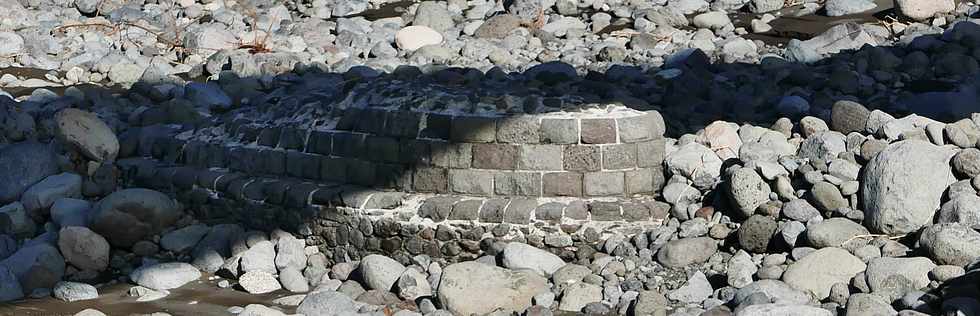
(201,297)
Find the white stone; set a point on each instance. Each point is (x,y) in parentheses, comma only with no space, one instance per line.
(413,37)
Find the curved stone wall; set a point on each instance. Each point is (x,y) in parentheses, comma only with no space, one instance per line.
(548,155)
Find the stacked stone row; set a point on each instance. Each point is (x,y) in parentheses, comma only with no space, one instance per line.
(531,156)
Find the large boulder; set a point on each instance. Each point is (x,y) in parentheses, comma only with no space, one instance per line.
(951,243)
(820,270)
(523,256)
(475,288)
(840,37)
(36,266)
(380,272)
(89,134)
(9,286)
(327,303)
(694,161)
(924,9)
(903,185)
(165,276)
(15,221)
(833,232)
(893,277)
(747,190)
(22,165)
(775,290)
(130,215)
(783,309)
(83,248)
(686,251)
(183,239)
(41,195)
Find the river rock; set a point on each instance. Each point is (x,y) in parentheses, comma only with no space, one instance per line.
(847,7)
(902,186)
(523,256)
(951,243)
(22,165)
(893,277)
(15,221)
(74,291)
(183,239)
(783,309)
(414,37)
(833,232)
(40,196)
(83,248)
(380,272)
(868,304)
(258,282)
(36,266)
(464,287)
(963,209)
(578,295)
(922,9)
(86,132)
(165,276)
(818,271)
(327,303)
(686,251)
(129,215)
(775,290)
(747,190)
(70,212)
(696,290)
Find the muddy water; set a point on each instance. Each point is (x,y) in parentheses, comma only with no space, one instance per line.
(196,298)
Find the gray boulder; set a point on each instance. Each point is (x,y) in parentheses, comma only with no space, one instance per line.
(902,186)
(184,239)
(694,161)
(823,146)
(893,277)
(70,212)
(577,295)
(87,133)
(868,304)
(819,271)
(22,165)
(293,280)
(15,221)
(847,7)
(800,210)
(37,266)
(951,243)
(523,256)
(833,232)
(839,37)
(783,309)
(290,253)
(963,209)
(380,272)
(464,287)
(687,251)
(258,282)
(41,195)
(747,190)
(696,290)
(74,291)
(130,215)
(774,290)
(9,286)
(83,248)
(165,276)
(260,257)
(327,303)
(922,10)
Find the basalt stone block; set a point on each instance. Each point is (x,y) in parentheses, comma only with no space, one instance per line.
(605,211)
(349,119)
(495,156)
(635,212)
(236,188)
(255,190)
(384,200)
(403,124)
(540,157)
(598,131)
(221,184)
(174,150)
(517,183)
(577,210)
(619,156)
(273,162)
(185,178)
(640,181)
(468,181)
(349,145)
(604,183)
(582,158)
(559,131)
(216,156)
(437,208)
(468,210)
(275,192)
(651,153)
(562,184)
(320,142)
(437,126)
(248,133)
(519,211)
(392,176)
(415,152)
(302,165)
(207,178)
(327,195)
(269,137)
(551,211)
(333,169)
(492,210)
(451,155)
(473,129)
(518,130)
(245,159)
(428,179)
(355,197)
(372,122)
(193,154)
(382,149)
(292,138)
(361,172)
(299,195)
(640,128)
